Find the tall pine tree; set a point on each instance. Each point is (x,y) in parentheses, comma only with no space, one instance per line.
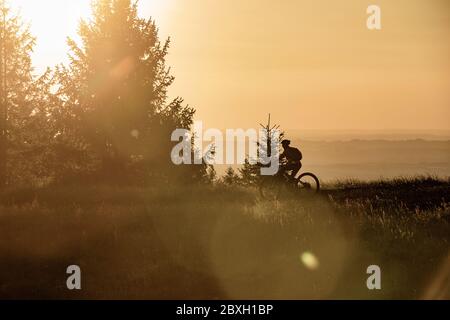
(16,85)
(114,91)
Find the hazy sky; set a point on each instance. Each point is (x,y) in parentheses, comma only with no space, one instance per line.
(312,64)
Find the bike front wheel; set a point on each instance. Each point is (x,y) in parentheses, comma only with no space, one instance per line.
(309,182)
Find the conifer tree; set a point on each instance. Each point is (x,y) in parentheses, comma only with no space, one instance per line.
(114,91)
(16,85)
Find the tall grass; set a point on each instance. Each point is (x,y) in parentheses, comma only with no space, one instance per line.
(216,242)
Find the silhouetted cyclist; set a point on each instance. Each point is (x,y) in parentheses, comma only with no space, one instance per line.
(292,158)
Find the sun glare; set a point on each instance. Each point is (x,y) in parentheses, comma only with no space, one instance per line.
(52,21)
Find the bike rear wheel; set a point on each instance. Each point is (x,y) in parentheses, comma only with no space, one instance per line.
(308,182)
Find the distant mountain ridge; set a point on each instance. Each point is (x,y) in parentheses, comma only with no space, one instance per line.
(371,159)
(381,135)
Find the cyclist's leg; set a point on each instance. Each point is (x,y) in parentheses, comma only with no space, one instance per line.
(295,169)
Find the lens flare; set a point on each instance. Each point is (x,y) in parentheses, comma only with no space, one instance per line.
(309,260)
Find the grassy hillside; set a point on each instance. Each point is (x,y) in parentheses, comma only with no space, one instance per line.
(225,242)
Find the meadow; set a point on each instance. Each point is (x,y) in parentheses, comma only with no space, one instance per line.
(225,242)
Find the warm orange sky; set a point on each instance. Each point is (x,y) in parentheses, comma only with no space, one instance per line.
(312,64)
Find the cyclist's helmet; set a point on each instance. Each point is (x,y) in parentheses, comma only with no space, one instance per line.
(285,143)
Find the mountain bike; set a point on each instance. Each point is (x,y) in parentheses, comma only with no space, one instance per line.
(274,187)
